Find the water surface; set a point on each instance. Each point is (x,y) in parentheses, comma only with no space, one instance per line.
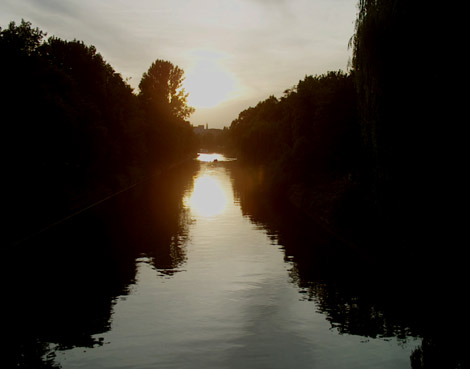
(192,271)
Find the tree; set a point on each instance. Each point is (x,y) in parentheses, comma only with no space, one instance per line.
(161,91)
(21,39)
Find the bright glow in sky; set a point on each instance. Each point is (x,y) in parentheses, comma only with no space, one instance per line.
(234,52)
(208,81)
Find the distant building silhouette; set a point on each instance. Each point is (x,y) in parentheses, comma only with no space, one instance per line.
(202,130)
(199,130)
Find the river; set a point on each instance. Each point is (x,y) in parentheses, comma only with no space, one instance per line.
(194,270)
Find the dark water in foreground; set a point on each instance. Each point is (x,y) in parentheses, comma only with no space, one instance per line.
(193,270)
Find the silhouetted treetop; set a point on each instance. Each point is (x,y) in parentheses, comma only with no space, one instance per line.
(310,132)
(161,90)
(23,38)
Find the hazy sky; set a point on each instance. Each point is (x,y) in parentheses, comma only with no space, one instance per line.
(234,52)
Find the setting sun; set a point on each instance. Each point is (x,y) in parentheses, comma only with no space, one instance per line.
(208,82)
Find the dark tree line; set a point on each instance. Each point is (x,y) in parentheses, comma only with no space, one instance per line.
(383,138)
(401,59)
(74,131)
(377,157)
(301,129)
(306,144)
(404,59)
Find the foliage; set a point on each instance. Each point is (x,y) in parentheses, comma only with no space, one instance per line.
(22,39)
(73,129)
(405,99)
(403,58)
(161,91)
(163,103)
(310,134)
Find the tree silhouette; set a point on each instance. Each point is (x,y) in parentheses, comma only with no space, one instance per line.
(72,122)
(22,39)
(311,132)
(161,91)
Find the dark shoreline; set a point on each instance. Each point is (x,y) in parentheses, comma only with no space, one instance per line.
(92,199)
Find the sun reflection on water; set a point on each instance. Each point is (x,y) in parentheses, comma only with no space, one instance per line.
(208,197)
(207,158)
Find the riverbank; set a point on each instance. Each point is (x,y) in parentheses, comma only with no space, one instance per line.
(82,202)
(344,209)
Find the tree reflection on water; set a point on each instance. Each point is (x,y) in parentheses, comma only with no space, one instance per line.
(62,285)
(372,298)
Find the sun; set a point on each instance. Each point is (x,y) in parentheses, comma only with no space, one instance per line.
(208,82)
